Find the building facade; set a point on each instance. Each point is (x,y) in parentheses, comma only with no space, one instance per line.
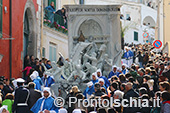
(21,27)
(19,34)
(136,18)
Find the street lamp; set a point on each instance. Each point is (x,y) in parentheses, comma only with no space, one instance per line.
(1,56)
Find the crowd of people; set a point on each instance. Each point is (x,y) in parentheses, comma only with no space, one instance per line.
(144,74)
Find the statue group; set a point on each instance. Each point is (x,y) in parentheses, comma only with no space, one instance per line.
(86,58)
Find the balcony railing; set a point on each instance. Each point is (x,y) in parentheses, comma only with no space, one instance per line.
(55,22)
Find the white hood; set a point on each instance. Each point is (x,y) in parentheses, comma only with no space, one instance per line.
(94,74)
(99,70)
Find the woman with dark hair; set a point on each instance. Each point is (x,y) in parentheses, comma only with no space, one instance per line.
(122,87)
(165,98)
(38,69)
(164,86)
(145,59)
(9,100)
(154,76)
(32,60)
(122,78)
(140,59)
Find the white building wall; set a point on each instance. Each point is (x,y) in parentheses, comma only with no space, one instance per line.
(137,11)
(58,39)
(161,22)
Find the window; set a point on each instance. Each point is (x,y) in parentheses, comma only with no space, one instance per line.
(128,17)
(52,52)
(135,36)
(43,52)
(0,18)
(81,1)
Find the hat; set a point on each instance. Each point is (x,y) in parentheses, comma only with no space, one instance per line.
(94,74)
(14,82)
(114,66)
(89,83)
(62,110)
(20,80)
(76,111)
(34,75)
(101,80)
(48,90)
(3,107)
(124,65)
(99,70)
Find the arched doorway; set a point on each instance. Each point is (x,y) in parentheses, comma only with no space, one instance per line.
(149,21)
(29,30)
(26,35)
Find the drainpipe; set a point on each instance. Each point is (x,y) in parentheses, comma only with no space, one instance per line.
(42,19)
(10,41)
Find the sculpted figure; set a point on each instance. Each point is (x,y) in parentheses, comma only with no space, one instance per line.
(90,69)
(102,52)
(77,74)
(117,57)
(107,64)
(92,58)
(55,71)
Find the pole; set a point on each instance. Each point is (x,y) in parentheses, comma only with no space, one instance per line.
(42,19)
(10,41)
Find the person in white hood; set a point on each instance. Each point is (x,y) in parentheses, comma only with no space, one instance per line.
(45,104)
(62,110)
(36,79)
(94,78)
(99,74)
(113,72)
(3,109)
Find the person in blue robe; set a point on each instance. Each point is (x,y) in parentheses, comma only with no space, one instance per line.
(101,81)
(89,90)
(50,12)
(47,80)
(99,74)
(94,78)
(128,55)
(46,103)
(124,70)
(113,72)
(36,79)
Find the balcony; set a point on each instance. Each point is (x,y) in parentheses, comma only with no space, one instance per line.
(55,21)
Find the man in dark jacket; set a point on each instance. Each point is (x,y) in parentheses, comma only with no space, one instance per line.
(21,101)
(34,94)
(7,87)
(130,93)
(61,13)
